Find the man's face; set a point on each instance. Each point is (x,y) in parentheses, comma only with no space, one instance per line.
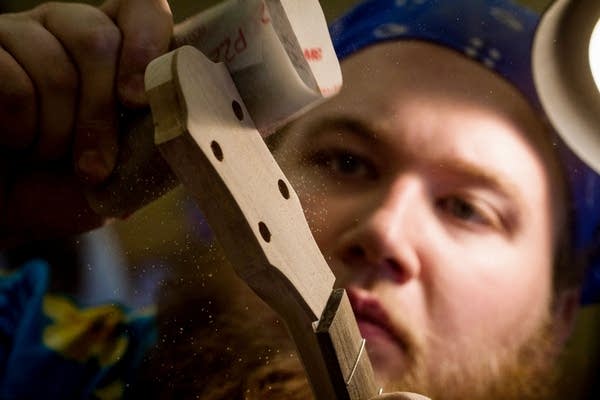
(426,194)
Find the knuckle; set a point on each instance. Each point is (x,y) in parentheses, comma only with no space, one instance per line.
(41,11)
(64,79)
(17,94)
(17,111)
(102,39)
(142,50)
(44,8)
(9,17)
(10,21)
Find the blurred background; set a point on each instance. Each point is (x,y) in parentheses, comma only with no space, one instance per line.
(127,260)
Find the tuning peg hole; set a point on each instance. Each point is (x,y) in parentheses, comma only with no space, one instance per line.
(217,151)
(283,189)
(264,231)
(237,110)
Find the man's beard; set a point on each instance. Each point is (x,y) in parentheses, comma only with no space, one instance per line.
(239,350)
(527,372)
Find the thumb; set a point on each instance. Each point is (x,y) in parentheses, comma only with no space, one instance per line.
(147,28)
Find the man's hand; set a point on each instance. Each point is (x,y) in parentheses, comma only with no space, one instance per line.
(64,70)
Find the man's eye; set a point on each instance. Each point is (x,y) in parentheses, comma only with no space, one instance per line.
(345,164)
(463,210)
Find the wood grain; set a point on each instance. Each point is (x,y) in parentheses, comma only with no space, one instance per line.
(206,135)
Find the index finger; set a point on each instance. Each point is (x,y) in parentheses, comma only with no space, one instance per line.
(147,28)
(92,41)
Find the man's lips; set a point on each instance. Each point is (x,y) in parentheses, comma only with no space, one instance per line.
(373,320)
(390,348)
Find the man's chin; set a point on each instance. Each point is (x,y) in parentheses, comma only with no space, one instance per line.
(526,373)
(387,355)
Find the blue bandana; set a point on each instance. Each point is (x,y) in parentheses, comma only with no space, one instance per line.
(499,35)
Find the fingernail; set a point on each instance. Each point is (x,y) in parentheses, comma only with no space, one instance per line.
(133,90)
(92,165)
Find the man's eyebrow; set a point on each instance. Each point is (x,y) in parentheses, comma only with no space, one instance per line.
(345,124)
(479,175)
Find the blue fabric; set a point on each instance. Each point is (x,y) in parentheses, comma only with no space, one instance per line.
(50,348)
(498,34)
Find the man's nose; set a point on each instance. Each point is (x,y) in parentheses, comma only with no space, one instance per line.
(385,235)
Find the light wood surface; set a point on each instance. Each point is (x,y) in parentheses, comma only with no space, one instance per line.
(205,133)
(350,368)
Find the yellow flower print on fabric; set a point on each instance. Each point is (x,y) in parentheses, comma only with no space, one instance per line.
(84,334)
(114,391)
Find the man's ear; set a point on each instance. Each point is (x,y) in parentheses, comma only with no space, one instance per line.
(567,303)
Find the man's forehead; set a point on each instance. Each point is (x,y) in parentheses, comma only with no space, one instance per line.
(382,76)
(427,66)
